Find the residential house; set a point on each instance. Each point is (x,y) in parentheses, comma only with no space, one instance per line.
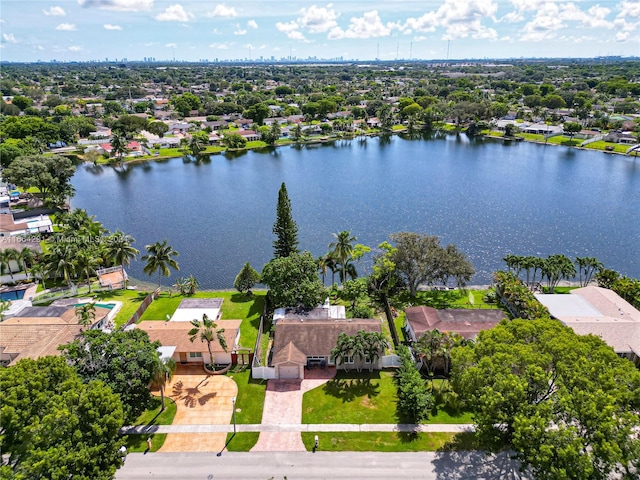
(11,226)
(600,312)
(466,322)
(621,137)
(36,332)
(249,135)
(300,343)
(175,335)
(542,129)
(217,125)
(325,311)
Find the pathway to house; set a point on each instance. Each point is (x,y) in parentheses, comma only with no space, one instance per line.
(202,401)
(283,406)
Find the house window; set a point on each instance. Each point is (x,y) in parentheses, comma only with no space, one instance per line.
(195,354)
(349,359)
(367,361)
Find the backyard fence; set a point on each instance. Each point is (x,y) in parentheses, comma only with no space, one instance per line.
(142,308)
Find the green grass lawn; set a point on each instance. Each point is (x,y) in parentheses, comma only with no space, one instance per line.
(153,416)
(236,306)
(602,145)
(389,441)
(131,300)
(365,397)
(443,299)
(250,397)
(242,442)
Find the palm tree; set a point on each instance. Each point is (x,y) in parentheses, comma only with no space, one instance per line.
(7,256)
(375,344)
(39,271)
(86,263)
(343,351)
(119,145)
(207,331)
(343,249)
(191,284)
(61,261)
(162,373)
(120,251)
(86,314)
(159,259)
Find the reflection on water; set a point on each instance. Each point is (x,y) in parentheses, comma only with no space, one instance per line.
(527,199)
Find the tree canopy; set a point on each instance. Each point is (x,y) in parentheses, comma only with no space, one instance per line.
(56,427)
(293,281)
(124,360)
(246,278)
(50,174)
(567,404)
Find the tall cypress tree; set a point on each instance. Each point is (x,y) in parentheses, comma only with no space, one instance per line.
(285,228)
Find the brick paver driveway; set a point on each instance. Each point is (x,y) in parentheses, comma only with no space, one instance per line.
(201,400)
(283,405)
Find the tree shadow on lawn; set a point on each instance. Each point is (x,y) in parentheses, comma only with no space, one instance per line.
(348,389)
(439,299)
(110,294)
(255,309)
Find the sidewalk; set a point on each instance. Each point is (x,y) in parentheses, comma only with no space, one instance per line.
(307,427)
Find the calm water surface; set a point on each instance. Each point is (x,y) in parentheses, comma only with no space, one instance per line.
(488,198)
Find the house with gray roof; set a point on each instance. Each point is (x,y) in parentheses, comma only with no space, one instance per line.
(601,312)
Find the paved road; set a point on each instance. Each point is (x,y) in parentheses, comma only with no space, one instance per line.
(320,465)
(304,427)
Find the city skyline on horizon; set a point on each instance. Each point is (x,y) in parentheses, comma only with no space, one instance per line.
(192,31)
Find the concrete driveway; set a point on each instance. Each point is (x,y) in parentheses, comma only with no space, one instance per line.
(283,406)
(201,399)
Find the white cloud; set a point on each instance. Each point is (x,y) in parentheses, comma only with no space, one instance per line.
(459,18)
(622,36)
(252,24)
(55,12)
(368,26)
(119,5)
(239,31)
(66,27)
(223,11)
(291,30)
(317,19)
(108,26)
(75,48)
(629,8)
(174,13)
(220,46)
(9,38)
(171,45)
(553,17)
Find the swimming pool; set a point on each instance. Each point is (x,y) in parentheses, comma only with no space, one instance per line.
(13,294)
(99,305)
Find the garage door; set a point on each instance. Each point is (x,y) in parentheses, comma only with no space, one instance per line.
(289,372)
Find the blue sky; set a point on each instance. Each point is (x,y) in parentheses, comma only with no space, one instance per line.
(79,30)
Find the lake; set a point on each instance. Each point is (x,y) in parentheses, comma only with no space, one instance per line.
(488,198)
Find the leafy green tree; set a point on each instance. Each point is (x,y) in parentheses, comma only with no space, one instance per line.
(129,125)
(185,103)
(233,140)
(354,291)
(51,174)
(297,132)
(124,360)
(246,279)
(285,228)
(414,398)
(555,268)
(158,128)
(21,102)
(571,128)
(293,281)
(160,258)
(207,331)
(198,143)
(565,403)
(55,427)
(587,267)
(418,258)
(257,113)
(120,251)
(119,144)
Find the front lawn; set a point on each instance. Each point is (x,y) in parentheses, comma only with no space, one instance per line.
(441,299)
(389,441)
(368,397)
(153,416)
(236,306)
(242,442)
(250,399)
